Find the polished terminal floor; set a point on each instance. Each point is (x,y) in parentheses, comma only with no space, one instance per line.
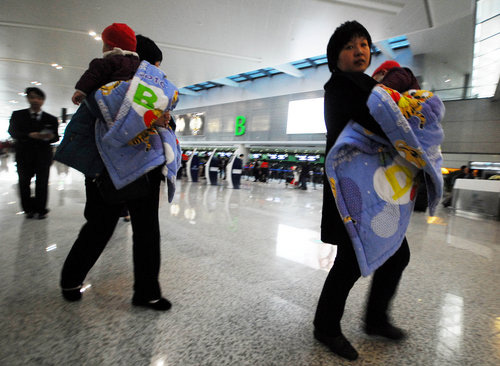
(243,269)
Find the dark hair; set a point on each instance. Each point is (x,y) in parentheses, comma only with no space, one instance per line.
(36,91)
(343,34)
(463,167)
(148,50)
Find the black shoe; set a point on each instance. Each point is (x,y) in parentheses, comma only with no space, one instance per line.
(386,330)
(72,295)
(43,214)
(29,215)
(161,304)
(338,345)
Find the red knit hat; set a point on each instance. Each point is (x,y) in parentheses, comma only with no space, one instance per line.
(389,64)
(120,35)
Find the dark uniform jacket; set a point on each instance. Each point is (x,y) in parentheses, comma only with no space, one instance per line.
(21,125)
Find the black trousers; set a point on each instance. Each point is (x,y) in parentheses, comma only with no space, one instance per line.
(34,163)
(96,232)
(236,180)
(303,181)
(344,273)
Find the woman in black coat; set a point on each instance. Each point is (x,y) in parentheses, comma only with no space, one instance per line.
(346,93)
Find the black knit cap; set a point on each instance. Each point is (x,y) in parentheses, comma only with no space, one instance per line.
(340,37)
(148,50)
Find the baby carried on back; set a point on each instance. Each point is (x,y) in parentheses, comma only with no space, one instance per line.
(127,140)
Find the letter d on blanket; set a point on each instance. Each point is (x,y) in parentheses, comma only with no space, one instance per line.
(393,181)
(145,96)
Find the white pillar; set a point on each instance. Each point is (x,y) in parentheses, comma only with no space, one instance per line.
(188,167)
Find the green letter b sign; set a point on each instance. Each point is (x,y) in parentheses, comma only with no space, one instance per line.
(239,127)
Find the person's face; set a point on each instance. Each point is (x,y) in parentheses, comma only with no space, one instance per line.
(35,101)
(355,55)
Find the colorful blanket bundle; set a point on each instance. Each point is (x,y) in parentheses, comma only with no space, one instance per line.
(129,143)
(374,181)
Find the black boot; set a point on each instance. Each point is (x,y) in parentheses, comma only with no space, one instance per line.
(338,345)
(161,304)
(386,330)
(73,294)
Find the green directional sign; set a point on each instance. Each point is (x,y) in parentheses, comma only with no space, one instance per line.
(239,126)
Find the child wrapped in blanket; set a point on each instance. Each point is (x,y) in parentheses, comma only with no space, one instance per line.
(120,62)
(137,133)
(122,54)
(401,79)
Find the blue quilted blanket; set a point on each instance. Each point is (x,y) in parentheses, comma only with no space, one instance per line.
(128,141)
(374,181)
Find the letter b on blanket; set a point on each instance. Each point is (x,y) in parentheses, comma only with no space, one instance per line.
(148,102)
(145,96)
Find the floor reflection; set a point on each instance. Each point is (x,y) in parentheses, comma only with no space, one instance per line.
(450,328)
(302,246)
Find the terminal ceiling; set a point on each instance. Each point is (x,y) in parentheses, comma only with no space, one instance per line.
(204,40)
